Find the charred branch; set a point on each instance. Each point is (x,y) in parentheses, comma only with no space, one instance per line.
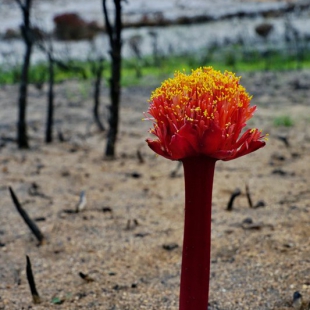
(30,223)
(233,196)
(50,105)
(97,71)
(114,33)
(248,196)
(22,138)
(32,284)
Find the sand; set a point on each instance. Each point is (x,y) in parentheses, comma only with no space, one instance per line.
(128,240)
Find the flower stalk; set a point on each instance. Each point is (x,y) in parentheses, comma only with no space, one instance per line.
(195,273)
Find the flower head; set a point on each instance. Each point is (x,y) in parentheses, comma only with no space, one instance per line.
(202,114)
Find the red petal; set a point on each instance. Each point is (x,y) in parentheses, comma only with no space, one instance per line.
(156,146)
(222,155)
(181,148)
(190,134)
(244,150)
(211,140)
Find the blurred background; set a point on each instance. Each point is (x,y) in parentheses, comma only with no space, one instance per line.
(82,80)
(163,35)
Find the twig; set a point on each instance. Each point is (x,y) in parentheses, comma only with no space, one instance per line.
(61,137)
(97,71)
(259,204)
(173,173)
(59,63)
(134,222)
(31,224)
(284,139)
(248,195)
(107,22)
(17,279)
(81,205)
(86,277)
(235,194)
(35,295)
(140,157)
(20,4)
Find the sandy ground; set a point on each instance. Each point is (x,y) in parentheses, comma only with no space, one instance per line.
(128,240)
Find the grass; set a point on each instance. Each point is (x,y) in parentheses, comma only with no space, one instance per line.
(284,121)
(231,59)
(134,72)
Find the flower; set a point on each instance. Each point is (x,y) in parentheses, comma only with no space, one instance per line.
(198,119)
(202,113)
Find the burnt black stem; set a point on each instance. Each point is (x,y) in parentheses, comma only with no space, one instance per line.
(114,34)
(86,277)
(173,174)
(284,139)
(235,194)
(82,275)
(32,284)
(98,77)
(30,223)
(27,35)
(140,157)
(50,107)
(248,196)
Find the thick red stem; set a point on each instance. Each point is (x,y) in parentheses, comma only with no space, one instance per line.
(198,173)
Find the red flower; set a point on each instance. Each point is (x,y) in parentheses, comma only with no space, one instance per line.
(202,113)
(198,119)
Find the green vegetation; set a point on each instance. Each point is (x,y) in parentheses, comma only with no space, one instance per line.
(284,120)
(148,69)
